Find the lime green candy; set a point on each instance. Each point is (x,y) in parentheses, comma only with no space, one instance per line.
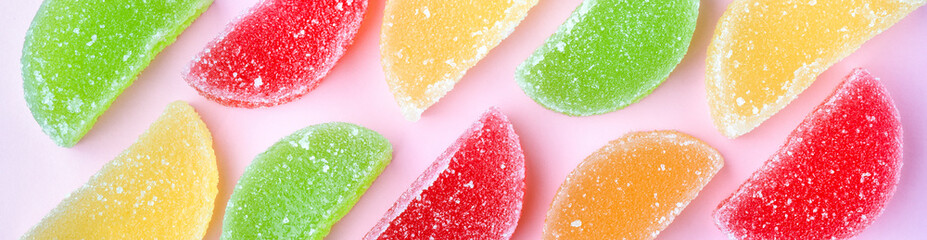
(305,183)
(80,54)
(608,55)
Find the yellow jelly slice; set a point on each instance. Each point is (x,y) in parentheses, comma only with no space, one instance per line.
(632,188)
(163,187)
(426,46)
(766,52)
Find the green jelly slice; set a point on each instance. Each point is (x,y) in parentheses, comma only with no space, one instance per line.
(305,183)
(80,54)
(608,55)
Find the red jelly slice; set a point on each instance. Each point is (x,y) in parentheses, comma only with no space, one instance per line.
(832,177)
(473,191)
(277,52)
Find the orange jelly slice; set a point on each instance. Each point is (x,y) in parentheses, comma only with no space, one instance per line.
(766,52)
(163,187)
(426,46)
(631,188)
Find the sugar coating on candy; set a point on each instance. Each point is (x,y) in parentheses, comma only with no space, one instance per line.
(162,187)
(632,188)
(79,55)
(426,46)
(766,52)
(608,55)
(276,52)
(305,183)
(832,177)
(474,190)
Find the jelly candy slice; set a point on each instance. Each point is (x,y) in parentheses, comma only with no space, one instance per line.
(80,54)
(277,52)
(832,177)
(163,187)
(765,52)
(632,188)
(305,183)
(472,191)
(608,55)
(426,46)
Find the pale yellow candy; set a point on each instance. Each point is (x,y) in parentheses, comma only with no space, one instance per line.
(766,52)
(163,187)
(426,46)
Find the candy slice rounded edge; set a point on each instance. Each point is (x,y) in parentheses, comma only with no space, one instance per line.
(531,78)
(133,186)
(735,112)
(415,90)
(207,87)
(861,98)
(66,121)
(441,169)
(352,155)
(709,161)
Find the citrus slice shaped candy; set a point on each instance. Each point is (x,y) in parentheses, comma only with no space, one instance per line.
(472,191)
(426,46)
(608,55)
(162,187)
(277,52)
(766,52)
(632,188)
(80,54)
(306,182)
(833,176)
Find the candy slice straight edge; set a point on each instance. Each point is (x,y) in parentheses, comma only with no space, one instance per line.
(79,56)
(162,187)
(765,53)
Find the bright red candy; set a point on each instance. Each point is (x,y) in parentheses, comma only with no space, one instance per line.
(832,177)
(473,191)
(277,52)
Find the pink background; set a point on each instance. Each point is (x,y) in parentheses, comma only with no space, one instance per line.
(35,174)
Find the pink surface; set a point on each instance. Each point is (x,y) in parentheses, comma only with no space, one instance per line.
(35,174)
